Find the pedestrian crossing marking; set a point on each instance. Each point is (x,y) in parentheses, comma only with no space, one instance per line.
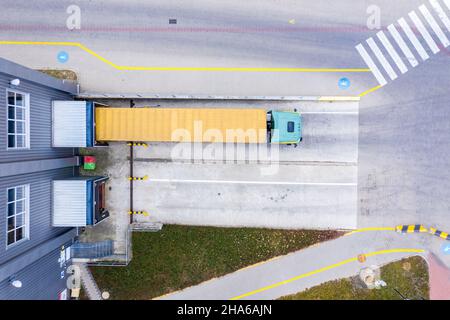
(440,12)
(402,44)
(381,58)
(372,66)
(434,25)
(418,33)
(412,37)
(447,2)
(424,32)
(393,53)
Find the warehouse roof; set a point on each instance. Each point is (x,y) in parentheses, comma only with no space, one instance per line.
(24,73)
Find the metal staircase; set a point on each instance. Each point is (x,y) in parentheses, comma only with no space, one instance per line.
(94,250)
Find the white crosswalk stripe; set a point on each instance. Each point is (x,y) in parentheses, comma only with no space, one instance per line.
(372,66)
(412,37)
(444,18)
(381,58)
(434,25)
(447,3)
(425,34)
(402,44)
(392,52)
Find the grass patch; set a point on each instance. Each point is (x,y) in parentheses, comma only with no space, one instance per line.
(409,276)
(181,256)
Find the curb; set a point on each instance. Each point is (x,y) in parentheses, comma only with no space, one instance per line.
(93,95)
(339,98)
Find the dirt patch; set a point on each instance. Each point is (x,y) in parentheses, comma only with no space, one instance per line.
(60,74)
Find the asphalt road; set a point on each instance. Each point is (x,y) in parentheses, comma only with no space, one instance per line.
(231,34)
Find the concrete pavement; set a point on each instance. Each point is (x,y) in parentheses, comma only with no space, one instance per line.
(114,163)
(296,197)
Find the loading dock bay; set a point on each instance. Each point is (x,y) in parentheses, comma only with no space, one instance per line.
(312,186)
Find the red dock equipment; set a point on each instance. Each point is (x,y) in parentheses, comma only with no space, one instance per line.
(89,163)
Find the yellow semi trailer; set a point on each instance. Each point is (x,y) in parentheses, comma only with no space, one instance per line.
(178,125)
(87,124)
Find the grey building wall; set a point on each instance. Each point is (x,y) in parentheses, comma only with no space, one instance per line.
(40,121)
(41,229)
(36,258)
(42,280)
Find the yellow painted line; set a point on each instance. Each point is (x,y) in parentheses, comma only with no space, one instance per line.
(242,69)
(388,251)
(165,295)
(341,263)
(370,229)
(57,43)
(98,56)
(370,91)
(47,43)
(139,68)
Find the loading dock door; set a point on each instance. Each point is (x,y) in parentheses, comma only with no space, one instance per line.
(70,203)
(72,124)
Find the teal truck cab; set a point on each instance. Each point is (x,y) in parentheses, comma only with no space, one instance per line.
(284,127)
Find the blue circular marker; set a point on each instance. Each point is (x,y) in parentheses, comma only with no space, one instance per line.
(344,83)
(446,248)
(63,56)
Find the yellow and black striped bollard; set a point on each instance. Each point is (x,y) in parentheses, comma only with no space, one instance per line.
(137,144)
(144,213)
(138,178)
(412,228)
(440,234)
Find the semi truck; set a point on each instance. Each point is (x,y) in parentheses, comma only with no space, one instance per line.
(88,124)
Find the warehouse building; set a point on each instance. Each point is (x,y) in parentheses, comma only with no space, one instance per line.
(43,200)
